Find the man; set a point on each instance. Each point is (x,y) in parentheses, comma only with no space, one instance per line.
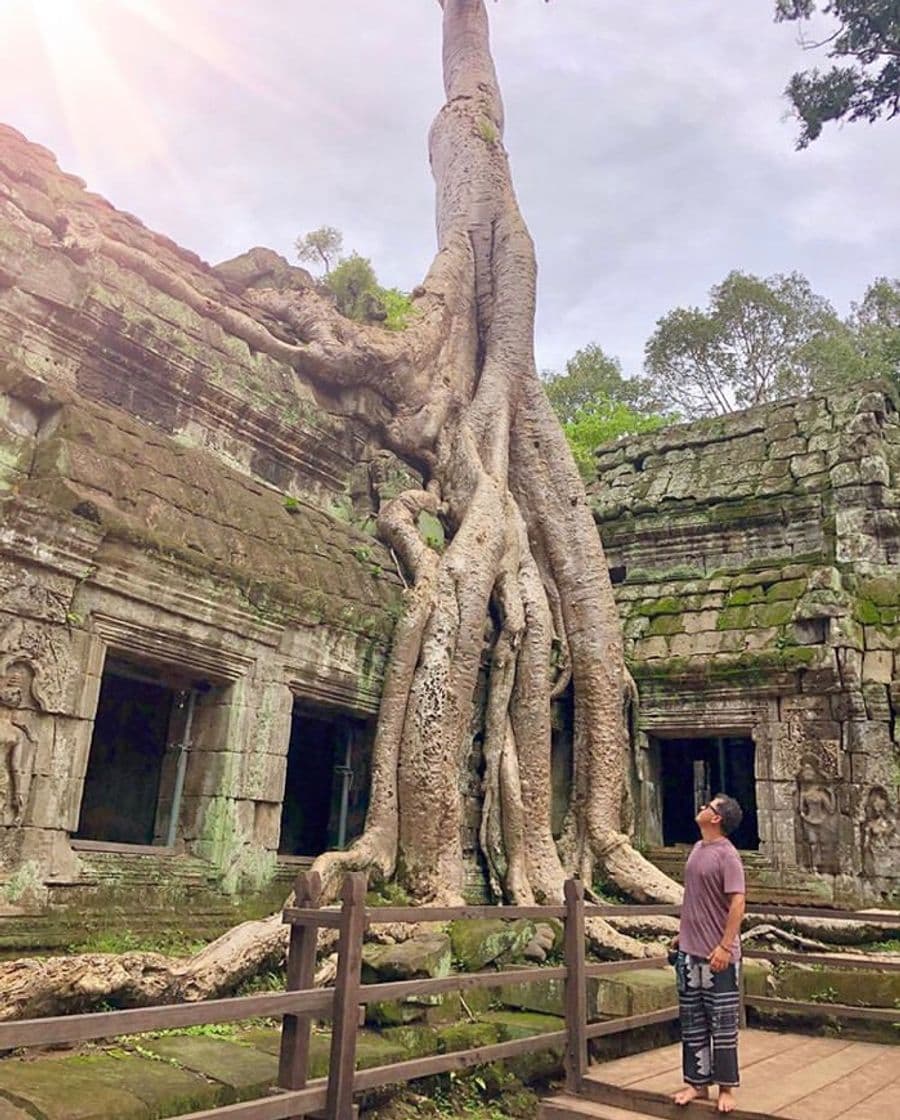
(707,964)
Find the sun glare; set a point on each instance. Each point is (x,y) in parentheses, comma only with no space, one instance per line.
(108,64)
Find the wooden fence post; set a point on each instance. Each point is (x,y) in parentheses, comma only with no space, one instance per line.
(576,990)
(293,1062)
(346,999)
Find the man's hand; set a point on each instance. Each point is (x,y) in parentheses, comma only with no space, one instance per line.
(719,959)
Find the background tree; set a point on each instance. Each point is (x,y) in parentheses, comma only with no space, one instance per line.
(592,375)
(320,246)
(602,420)
(875,323)
(868,36)
(758,340)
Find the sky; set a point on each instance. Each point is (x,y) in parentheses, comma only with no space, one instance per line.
(649,141)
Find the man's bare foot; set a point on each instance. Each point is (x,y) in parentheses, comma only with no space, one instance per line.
(693,1093)
(726,1102)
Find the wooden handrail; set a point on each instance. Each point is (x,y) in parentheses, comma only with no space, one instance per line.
(300,1003)
(138,1020)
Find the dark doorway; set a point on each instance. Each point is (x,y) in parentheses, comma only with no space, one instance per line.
(326,789)
(694,770)
(121,787)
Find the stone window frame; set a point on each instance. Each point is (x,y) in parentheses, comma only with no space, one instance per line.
(141,644)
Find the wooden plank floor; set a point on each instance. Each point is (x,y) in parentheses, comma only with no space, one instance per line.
(782,1075)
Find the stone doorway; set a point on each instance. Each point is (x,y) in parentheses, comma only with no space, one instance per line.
(135,774)
(326,789)
(125,765)
(693,770)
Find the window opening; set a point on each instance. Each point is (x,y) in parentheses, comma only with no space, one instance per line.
(326,788)
(122,783)
(139,753)
(692,771)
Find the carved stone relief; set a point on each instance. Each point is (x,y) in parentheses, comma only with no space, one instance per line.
(42,649)
(34,593)
(18,740)
(879,837)
(817,818)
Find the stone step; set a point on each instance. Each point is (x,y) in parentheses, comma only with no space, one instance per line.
(564,1106)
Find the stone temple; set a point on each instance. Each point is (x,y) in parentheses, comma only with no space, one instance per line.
(195,613)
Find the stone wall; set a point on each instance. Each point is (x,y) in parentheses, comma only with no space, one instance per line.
(175,501)
(755,562)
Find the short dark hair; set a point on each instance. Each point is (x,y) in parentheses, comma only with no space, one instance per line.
(729,810)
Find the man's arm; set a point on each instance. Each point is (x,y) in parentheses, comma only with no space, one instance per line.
(720,957)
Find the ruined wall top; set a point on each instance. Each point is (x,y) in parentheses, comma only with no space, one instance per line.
(136,408)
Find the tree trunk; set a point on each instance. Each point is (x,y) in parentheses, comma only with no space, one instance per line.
(522,585)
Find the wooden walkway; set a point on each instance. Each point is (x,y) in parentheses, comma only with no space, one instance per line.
(789,1076)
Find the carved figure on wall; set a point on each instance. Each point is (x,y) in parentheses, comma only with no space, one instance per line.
(879,831)
(35,646)
(817,818)
(17,744)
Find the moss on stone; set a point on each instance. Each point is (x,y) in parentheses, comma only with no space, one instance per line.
(666,605)
(665,624)
(785,589)
(883,591)
(735,618)
(465,1036)
(744,596)
(773,614)
(478,942)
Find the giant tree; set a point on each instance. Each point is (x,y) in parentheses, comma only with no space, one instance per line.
(521,588)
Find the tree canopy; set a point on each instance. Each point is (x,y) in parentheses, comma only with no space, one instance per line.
(867,85)
(590,375)
(759,339)
(320,246)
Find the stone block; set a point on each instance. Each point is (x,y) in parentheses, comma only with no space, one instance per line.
(868,737)
(243,1070)
(859,987)
(425,956)
(874,469)
(878,666)
(757,977)
(634,992)
(545,996)
(477,943)
(100,1087)
(267,825)
(787,448)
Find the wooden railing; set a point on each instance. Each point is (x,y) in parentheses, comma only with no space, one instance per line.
(300,1004)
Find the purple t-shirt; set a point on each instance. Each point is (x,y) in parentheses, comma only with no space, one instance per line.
(712,873)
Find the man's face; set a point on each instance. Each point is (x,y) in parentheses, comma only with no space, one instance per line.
(708,813)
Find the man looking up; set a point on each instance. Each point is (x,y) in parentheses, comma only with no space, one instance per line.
(707,965)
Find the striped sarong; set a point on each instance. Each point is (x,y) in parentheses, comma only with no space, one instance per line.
(709,1008)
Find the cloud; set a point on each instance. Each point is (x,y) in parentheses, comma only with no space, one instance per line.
(648,144)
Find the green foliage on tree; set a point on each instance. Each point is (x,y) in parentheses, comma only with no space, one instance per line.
(596,403)
(358,295)
(320,246)
(591,375)
(758,340)
(354,285)
(867,85)
(875,323)
(602,420)
(352,281)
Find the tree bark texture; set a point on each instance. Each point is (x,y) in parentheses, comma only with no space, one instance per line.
(522,589)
